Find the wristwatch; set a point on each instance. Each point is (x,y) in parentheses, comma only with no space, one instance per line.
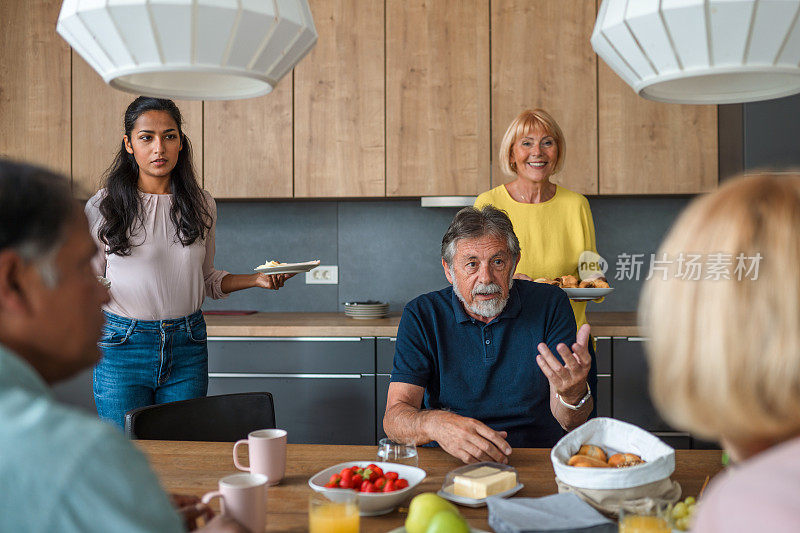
(580,403)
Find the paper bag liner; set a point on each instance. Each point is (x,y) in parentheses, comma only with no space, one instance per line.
(614,436)
(641,499)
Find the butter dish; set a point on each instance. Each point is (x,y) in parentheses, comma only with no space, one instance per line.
(471,485)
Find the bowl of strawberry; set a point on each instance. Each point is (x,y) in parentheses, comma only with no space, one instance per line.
(380,486)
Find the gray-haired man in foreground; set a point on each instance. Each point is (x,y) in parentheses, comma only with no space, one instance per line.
(61,470)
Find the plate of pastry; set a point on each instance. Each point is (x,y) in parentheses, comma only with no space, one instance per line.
(276,267)
(580,290)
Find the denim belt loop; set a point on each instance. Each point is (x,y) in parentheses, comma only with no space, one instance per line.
(186,324)
(131,327)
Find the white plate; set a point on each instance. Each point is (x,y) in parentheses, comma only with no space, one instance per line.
(371,504)
(289,268)
(402,529)
(477,502)
(588,294)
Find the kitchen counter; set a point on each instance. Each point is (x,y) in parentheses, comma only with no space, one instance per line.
(604,324)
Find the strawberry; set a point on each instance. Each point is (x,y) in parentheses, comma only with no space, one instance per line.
(376,468)
(366,486)
(335,479)
(391,475)
(331,485)
(401,484)
(355,482)
(389,486)
(379,483)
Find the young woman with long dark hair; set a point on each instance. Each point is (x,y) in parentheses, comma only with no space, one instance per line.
(155,229)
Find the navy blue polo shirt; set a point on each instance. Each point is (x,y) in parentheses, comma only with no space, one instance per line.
(488,371)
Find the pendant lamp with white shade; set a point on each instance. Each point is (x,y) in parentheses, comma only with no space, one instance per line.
(190,49)
(702,51)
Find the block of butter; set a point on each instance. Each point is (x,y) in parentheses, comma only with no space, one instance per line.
(483,482)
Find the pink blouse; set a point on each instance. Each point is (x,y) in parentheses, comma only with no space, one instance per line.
(161,278)
(759,494)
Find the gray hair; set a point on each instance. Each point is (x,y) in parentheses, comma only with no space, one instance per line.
(35,207)
(471,223)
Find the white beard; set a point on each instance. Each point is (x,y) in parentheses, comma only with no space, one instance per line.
(484,308)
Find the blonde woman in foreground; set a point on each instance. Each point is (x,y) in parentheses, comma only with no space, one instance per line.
(725,353)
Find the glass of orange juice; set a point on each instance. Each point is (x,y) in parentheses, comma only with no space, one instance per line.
(657,520)
(327,516)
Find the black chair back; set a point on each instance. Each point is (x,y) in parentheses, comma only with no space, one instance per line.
(224,418)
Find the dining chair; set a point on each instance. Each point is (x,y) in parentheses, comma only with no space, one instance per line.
(223,418)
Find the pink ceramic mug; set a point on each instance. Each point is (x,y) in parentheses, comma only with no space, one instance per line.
(244,498)
(267,449)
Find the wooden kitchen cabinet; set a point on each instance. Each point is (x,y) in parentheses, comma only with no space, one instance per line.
(437,98)
(97,127)
(542,58)
(339,144)
(248,145)
(35,110)
(651,147)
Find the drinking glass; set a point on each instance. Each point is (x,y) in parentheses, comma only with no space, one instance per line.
(656,520)
(340,516)
(396,452)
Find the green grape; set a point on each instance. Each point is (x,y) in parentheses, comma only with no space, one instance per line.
(690,500)
(682,523)
(679,511)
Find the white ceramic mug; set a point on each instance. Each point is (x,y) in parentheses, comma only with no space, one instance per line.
(244,498)
(267,453)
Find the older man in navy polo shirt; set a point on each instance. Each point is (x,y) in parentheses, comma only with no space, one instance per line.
(474,364)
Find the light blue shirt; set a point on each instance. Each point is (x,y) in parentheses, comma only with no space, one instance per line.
(61,470)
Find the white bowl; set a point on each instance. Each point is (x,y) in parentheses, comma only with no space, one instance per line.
(370,503)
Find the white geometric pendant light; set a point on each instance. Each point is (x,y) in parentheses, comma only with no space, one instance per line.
(702,51)
(190,49)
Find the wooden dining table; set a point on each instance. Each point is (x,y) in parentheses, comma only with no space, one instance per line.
(195,467)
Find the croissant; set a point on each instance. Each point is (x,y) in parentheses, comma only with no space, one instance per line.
(586,461)
(569,281)
(601,283)
(586,284)
(590,450)
(619,460)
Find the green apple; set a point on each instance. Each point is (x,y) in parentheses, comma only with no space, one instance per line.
(447,522)
(422,509)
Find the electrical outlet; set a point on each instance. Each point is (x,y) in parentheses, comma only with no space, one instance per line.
(323,274)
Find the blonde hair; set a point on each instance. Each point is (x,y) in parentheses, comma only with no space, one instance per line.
(527,121)
(725,354)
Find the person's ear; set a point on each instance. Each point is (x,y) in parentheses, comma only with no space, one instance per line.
(127,142)
(13,291)
(446,271)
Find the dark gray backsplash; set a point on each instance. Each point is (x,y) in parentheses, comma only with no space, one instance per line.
(389,249)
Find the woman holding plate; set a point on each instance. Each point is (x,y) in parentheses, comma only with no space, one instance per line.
(554,225)
(155,229)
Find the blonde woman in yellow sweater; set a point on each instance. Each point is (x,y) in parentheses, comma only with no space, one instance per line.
(554,225)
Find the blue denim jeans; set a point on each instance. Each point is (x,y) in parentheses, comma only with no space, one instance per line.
(147,362)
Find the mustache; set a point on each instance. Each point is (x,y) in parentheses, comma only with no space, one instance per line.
(490,288)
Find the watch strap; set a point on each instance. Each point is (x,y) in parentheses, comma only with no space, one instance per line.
(580,403)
